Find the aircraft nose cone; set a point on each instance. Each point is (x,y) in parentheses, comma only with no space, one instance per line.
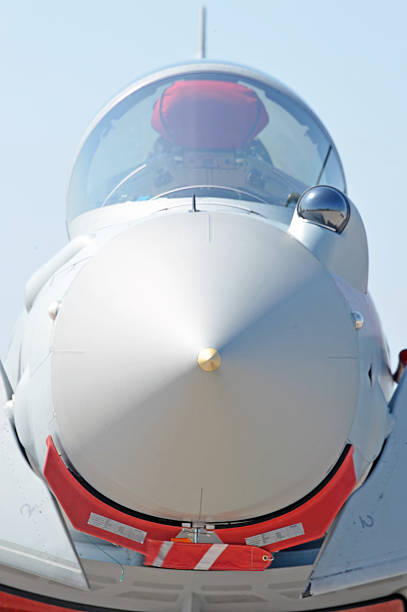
(204,368)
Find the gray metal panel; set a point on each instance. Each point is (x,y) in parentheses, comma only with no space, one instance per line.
(33,537)
(369,539)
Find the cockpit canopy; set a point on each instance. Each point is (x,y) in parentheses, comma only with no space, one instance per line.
(208,129)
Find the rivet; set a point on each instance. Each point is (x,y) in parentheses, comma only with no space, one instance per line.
(53,309)
(358,319)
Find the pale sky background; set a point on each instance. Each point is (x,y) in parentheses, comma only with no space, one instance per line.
(62,61)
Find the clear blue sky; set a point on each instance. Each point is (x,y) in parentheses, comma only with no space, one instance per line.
(61,61)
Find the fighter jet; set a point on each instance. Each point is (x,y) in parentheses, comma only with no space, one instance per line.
(197,409)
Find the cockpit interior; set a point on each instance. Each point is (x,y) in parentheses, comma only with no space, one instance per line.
(211,134)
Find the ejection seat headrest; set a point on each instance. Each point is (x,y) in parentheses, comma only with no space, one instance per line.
(209,115)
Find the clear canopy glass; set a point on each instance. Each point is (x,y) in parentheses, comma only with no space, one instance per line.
(211,133)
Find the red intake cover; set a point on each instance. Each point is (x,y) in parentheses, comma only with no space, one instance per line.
(247,547)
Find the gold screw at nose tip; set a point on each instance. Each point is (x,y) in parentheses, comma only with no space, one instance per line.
(209,359)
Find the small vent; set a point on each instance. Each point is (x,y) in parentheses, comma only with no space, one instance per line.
(291,594)
(97,587)
(236,599)
(153,585)
(101,579)
(147,596)
(227,587)
(280,586)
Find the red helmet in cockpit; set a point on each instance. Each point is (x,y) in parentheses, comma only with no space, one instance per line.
(209,115)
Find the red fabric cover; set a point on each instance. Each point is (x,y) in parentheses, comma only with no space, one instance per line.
(240,558)
(315,514)
(209,115)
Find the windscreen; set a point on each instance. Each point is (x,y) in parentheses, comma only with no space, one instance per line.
(215,135)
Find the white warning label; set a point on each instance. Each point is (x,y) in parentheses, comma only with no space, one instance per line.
(121,529)
(277,535)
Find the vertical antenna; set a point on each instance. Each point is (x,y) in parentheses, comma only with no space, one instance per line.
(193,203)
(202,33)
